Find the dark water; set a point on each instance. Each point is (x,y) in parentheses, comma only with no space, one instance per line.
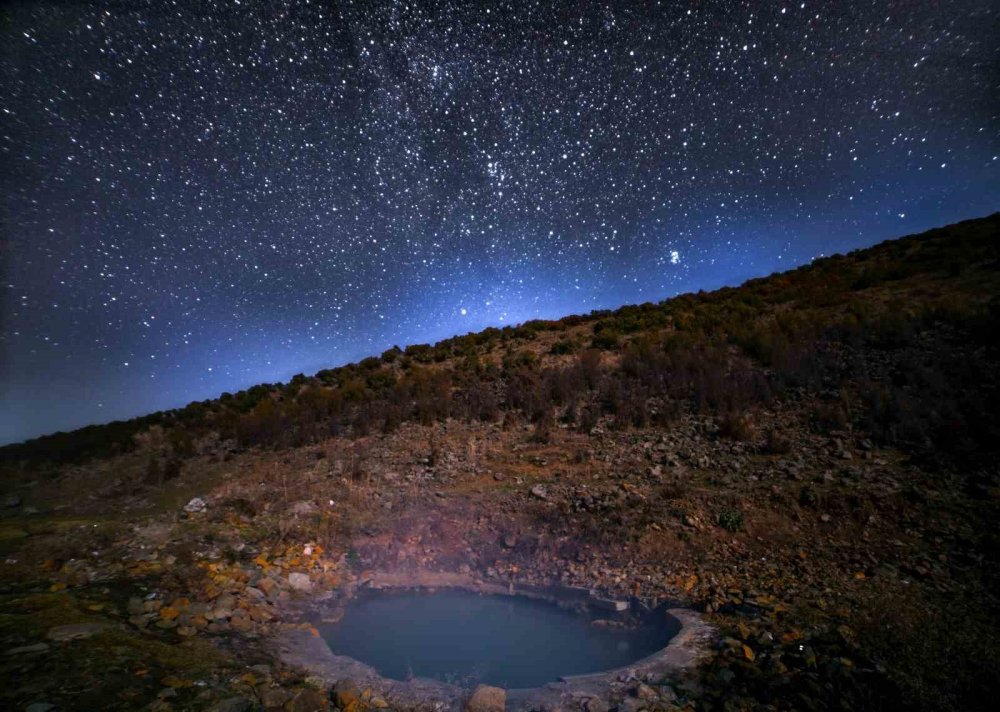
(466,638)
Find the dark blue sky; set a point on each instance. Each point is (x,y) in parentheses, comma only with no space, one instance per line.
(201,196)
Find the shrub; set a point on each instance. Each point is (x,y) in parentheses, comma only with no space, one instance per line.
(827,417)
(731,520)
(562,347)
(390,355)
(736,426)
(775,443)
(606,340)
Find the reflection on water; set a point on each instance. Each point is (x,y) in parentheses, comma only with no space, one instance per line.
(466,638)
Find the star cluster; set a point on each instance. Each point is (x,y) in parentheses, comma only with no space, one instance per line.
(200,196)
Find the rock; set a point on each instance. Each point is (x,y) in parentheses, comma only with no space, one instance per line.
(241,622)
(667,694)
(645,692)
(301,509)
(195,505)
(29,649)
(12,500)
(40,707)
(275,697)
(152,605)
(346,695)
(136,606)
(632,704)
(75,631)
(223,607)
(486,698)
(540,491)
(300,582)
(596,704)
(308,701)
(232,704)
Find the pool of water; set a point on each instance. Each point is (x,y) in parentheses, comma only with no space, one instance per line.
(466,638)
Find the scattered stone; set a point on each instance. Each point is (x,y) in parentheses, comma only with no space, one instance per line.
(12,500)
(300,581)
(195,506)
(540,491)
(486,698)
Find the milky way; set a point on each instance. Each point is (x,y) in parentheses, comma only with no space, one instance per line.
(201,196)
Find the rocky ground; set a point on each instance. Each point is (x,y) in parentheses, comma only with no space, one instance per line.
(120,595)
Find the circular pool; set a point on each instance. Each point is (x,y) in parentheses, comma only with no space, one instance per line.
(465,638)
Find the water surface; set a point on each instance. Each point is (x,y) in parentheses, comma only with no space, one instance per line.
(466,638)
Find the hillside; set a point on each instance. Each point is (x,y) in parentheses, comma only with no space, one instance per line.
(810,459)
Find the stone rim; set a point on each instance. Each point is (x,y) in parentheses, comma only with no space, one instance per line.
(682,653)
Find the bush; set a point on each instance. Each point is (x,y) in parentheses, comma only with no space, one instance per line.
(827,417)
(606,340)
(736,426)
(775,443)
(731,520)
(562,347)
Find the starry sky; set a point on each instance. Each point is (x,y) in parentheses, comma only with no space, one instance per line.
(198,196)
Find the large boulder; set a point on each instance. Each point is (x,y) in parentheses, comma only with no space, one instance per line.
(486,698)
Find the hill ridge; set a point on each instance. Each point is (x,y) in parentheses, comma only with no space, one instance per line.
(104,438)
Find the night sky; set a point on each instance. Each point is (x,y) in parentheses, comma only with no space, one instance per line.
(201,196)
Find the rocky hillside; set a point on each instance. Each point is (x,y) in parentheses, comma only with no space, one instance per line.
(810,459)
